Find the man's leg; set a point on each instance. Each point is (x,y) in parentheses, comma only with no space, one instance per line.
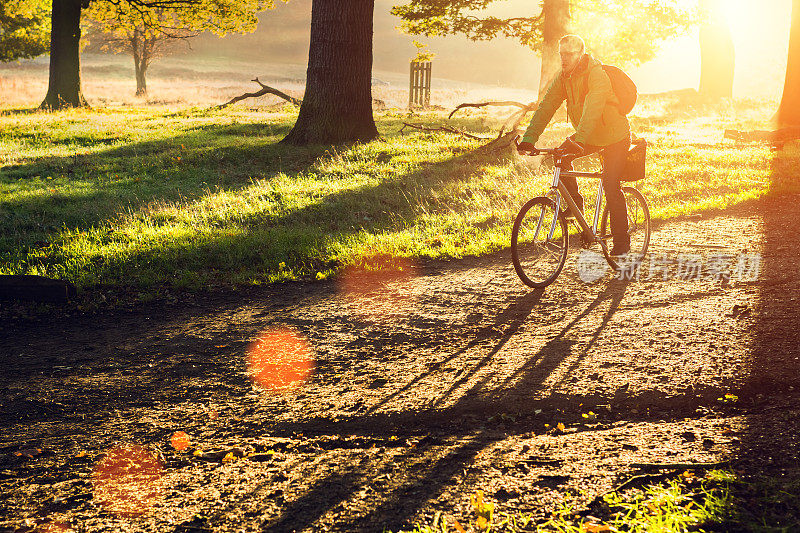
(614,157)
(572,186)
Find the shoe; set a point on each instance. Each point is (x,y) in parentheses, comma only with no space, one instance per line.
(621,249)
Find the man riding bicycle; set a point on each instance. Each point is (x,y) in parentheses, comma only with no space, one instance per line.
(599,124)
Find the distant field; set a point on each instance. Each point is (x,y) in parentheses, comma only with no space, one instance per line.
(108,80)
(147,199)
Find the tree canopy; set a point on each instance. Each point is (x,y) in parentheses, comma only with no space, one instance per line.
(24,29)
(618,31)
(167,19)
(148,33)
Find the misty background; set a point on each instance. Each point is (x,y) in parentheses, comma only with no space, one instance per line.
(214,69)
(760,32)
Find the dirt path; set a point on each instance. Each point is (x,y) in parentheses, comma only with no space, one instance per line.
(425,389)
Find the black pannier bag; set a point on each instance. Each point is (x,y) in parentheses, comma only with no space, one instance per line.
(634,166)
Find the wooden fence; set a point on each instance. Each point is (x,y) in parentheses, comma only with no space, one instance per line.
(419,90)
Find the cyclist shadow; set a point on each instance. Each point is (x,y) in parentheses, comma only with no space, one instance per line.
(533,374)
(505,325)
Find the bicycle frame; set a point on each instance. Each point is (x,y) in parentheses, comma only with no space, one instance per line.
(589,232)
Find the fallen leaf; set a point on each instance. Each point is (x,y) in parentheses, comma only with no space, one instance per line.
(229,457)
(30,453)
(595,528)
(458,526)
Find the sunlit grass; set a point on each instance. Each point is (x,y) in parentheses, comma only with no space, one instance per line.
(147,199)
(718,500)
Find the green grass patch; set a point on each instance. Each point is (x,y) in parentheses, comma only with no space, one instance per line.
(720,501)
(149,200)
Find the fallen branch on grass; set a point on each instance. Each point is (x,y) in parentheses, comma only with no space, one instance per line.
(512,123)
(505,138)
(506,103)
(677,466)
(652,478)
(500,143)
(447,129)
(265,89)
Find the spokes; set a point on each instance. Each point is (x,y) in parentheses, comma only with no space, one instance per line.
(539,242)
(552,249)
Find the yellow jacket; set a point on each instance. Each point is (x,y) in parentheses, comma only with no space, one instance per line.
(594,114)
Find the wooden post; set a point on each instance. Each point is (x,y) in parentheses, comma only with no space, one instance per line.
(411,86)
(428,84)
(419,85)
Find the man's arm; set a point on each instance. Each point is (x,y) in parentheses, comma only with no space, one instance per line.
(552,100)
(600,92)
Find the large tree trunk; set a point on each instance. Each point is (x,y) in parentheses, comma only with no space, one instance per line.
(789,110)
(556,25)
(64,89)
(717,55)
(337,106)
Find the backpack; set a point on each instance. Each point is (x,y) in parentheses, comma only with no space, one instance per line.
(622,85)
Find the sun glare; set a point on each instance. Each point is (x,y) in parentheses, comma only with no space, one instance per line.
(739,15)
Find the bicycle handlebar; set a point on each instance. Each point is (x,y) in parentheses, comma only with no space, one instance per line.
(555,152)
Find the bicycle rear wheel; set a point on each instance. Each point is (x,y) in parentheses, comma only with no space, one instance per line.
(638,228)
(539,243)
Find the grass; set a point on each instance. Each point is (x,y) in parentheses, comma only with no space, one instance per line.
(718,501)
(151,200)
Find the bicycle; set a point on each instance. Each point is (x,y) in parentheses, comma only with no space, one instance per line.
(540,237)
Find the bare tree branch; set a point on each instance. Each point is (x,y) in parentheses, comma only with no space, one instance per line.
(447,129)
(265,89)
(484,104)
(512,123)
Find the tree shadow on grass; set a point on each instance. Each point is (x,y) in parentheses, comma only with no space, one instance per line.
(186,170)
(101,185)
(259,241)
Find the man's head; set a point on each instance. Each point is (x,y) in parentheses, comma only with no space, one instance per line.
(571,48)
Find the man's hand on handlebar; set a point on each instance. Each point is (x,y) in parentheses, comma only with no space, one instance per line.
(569,146)
(526,148)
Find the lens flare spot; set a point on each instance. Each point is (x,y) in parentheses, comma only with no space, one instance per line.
(126,480)
(280,360)
(375,285)
(180,440)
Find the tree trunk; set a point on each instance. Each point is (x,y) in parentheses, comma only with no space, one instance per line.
(337,105)
(556,25)
(717,55)
(64,89)
(141,81)
(789,110)
(140,61)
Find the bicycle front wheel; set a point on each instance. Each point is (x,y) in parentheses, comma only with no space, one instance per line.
(638,226)
(539,243)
